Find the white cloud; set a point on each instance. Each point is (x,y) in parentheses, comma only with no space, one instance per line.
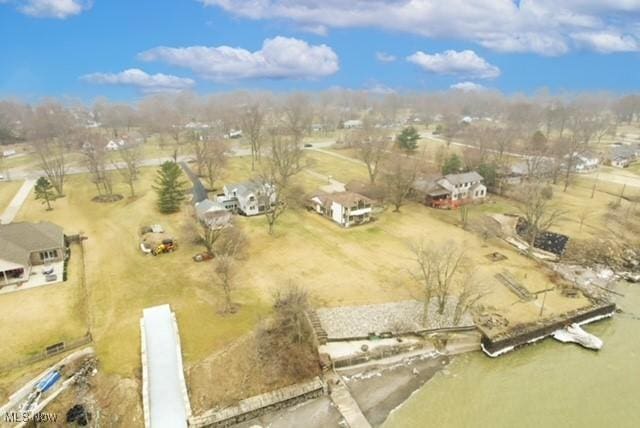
(607,42)
(464,63)
(146,82)
(541,26)
(385,57)
(379,89)
(59,9)
(280,57)
(468,87)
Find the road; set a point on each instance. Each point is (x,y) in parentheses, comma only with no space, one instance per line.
(29,172)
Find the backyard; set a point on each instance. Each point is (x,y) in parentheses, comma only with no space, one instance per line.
(367,264)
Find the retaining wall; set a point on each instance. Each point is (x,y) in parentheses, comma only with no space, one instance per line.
(254,407)
(533,334)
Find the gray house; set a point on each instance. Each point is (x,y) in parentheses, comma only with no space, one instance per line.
(248,198)
(24,245)
(213,214)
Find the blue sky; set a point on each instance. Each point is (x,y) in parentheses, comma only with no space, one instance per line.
(125,49)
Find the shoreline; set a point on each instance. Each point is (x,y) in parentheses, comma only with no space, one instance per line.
(378,386)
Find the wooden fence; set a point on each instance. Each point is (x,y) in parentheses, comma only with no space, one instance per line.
(50,351)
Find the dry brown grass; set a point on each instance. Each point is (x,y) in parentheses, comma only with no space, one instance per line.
(7,192)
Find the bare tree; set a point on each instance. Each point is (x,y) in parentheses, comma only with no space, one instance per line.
(214,160)
(51,127)
(372,147)
(438,265)
(397,178)
(298,114)
(229,249)
(129,166)
(278,166)
(97,162)
(252,124)
(535,206)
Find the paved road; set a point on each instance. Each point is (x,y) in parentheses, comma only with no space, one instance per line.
(28,172)
(16,203)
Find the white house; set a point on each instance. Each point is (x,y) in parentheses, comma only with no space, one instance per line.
(196,125)
(233,134)
(353,124)
(248,198)
(114,145)
(345,208)
(452,190)
(583,163)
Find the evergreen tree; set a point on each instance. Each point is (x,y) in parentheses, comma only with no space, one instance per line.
(169,187)
(44,192)
(408,139)
(452,165)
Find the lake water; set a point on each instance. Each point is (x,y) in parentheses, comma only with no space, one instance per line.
(545,385)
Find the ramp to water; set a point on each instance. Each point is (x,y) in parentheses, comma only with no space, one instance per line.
(164,391)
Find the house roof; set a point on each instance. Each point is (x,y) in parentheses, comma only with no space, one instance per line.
(466,177)
(19,240)
(208,205)
(346,199)
(246,187)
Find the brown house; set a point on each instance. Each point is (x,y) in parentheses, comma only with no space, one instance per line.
(24,245)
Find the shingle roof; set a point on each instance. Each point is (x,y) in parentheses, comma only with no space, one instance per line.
(466,177)
(19,240)
(346,199)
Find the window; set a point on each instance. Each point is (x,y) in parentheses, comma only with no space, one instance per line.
(48,255)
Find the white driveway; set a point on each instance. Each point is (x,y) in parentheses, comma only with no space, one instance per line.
(16,203)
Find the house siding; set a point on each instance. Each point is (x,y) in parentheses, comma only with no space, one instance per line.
(36,258)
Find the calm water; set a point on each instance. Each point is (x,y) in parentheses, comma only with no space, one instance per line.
(545,385)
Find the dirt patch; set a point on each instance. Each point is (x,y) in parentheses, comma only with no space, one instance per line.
(107,198)
(232,374)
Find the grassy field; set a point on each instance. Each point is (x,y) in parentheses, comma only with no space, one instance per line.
(8,190)
(122,281)
(367,264)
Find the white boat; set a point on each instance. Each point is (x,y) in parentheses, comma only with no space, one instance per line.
(575,334)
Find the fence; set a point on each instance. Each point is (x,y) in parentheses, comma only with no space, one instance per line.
(49,351)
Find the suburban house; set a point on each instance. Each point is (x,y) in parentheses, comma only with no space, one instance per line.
(115,145)
(233,134)
(213,214)
(623,155)
(25,245)
(519,172)
(345,208)
(248,198)
(450,191)
(352,124)
(583,163)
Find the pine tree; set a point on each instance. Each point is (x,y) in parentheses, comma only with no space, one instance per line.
(44,192)
(408,139)
(169,187)
(452,165)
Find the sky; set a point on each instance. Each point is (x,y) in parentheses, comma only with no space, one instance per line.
(125,49)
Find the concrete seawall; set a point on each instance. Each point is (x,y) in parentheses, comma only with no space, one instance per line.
(496,347)
(253,407)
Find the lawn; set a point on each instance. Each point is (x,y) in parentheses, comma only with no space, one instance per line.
(367,264)
(8,190)
(122,281)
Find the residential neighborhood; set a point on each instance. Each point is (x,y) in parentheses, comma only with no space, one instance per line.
(319,214)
